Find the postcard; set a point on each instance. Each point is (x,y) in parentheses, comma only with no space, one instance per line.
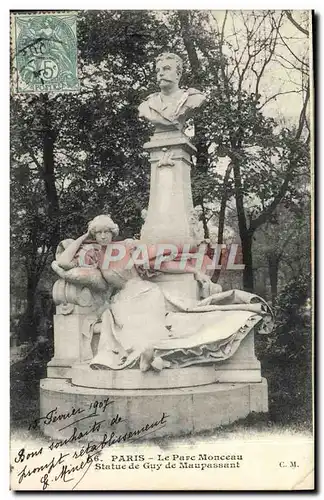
(161,319)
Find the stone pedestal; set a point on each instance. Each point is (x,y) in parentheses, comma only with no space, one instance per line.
(168,219)
(178,286)
(75,311)
(170,205)
(72,342)
(243,366)
(188,410)
(196,398)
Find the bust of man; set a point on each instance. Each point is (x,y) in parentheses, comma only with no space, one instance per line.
(172,106)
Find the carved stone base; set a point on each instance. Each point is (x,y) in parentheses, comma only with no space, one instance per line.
(60,368)
(192,376)
(243,366)
(188,410)
(72,342)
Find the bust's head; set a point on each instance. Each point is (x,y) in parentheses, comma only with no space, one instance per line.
(168,70)
(102,228)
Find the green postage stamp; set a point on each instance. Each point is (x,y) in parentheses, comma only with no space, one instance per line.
(44,52)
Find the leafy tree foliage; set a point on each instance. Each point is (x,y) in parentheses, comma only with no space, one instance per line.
(292,339)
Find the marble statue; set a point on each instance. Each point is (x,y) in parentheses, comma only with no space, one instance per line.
(141,316)
(136,327)
(143,321)
(172,106)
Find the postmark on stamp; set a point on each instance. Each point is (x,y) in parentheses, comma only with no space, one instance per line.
(45,52)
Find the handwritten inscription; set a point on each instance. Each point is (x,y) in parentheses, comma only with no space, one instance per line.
(71,467)
(54,416)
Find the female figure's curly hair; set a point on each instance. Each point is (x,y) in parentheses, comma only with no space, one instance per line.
(102,221)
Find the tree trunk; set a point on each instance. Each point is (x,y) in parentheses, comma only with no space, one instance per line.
(245,233)
(204,219)
(27,325)
(49,178)
(248,279)
(221,219)
(273,265)
(49,138)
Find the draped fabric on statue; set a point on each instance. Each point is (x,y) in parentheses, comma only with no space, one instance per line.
(200,331)
(208,331)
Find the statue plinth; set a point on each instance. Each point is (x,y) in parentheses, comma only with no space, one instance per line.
(76,311)
(189,410)
(170,205)
(168,219)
